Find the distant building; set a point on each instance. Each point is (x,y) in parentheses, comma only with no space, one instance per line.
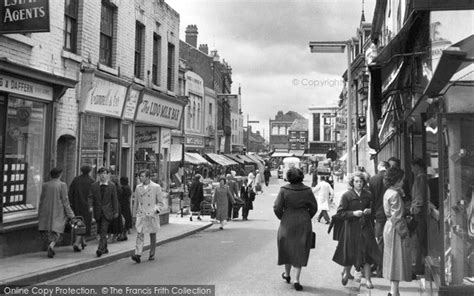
(279,129)
(298,137)
(322,130)
(256,142)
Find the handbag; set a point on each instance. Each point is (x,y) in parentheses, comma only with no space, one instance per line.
(313,240)
(213,213)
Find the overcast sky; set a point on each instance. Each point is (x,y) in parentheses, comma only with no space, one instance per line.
(267,45)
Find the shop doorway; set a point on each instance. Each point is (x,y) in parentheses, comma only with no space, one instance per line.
(125,163)
(66,157)
(111,154)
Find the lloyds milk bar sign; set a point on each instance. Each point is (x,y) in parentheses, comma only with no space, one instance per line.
(24,16)
(158,111)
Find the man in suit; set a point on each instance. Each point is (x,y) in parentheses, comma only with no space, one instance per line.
(377,188)
(148,202)
(104,205)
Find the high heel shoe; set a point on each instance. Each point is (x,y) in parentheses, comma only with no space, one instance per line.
(298,287)
(369,285)
(76,248)
(344,278)
(286,278)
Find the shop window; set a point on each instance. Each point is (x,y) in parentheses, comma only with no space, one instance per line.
(23,157)
(70,25)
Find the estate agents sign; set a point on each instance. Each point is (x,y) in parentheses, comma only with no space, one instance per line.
(24,16)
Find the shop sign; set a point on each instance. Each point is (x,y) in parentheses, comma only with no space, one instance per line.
(26,88)
(165,138)
(24,16)
(146,137)
(297,140)
(106,98)
(131,104)
(195,141)
(159,111)
(194,83)
(90,132)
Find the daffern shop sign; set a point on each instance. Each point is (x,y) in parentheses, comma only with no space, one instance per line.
(24,16)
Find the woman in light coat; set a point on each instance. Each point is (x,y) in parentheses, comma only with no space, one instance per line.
(324,195)
(220,201)
(396,252)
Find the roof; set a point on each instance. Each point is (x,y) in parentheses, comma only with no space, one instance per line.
(299,125)
(288,116)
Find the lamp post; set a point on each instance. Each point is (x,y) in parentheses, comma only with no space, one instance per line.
(338,47)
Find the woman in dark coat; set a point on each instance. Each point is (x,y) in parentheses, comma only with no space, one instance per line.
(196,193)
(116,226)
(124,201)
(295,205)
(357,245)
(78,193)
(247,194)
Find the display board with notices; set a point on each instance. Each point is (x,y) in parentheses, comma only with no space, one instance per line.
(14,186)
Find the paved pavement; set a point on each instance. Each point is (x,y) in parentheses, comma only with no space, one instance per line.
(33,268)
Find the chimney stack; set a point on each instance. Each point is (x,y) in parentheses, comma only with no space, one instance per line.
(204,48)
(191,35)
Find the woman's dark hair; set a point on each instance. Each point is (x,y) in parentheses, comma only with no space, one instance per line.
(393,176)
(360,175)
(86,169)
(55,173)
(223,178)
(123,181)
(294,175)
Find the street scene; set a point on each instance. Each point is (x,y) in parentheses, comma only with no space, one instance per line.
(260,147)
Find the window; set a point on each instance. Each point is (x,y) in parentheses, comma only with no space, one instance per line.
(316,130)
(156,66)
(24,153)
(139,32)
(70,25)
(210,109)
(106,33)
(194,115)
(198,125)
(188,119)
(170,71)
(327,119)
(327,134)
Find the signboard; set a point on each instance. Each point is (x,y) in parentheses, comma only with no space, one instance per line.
(26,88)
(158,111)
(131,104)
(24,16)
(146,137)
(106,98)
(194,83)
(195,141)
(165,138)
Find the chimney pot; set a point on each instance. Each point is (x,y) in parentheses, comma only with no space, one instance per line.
(191,35)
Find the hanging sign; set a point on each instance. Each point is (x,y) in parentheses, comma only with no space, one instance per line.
(24,16)
(160,112)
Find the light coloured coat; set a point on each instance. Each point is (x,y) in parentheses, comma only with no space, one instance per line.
(324,194)
(54,208)
(145,206)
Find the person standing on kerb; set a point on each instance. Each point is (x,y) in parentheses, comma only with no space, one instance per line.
(147,205)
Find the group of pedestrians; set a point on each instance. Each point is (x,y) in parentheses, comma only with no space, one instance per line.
(107,202)
(371,224)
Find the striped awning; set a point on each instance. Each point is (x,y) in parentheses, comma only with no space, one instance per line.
(247,159)
(281,154)
(220,159)
(255,158)
(235,158)
(195,158)
(297,153)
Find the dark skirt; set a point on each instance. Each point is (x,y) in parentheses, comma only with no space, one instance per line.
(294,238)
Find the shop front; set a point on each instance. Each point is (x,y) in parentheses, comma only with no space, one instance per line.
(157,114)
(101,121)
(27,109)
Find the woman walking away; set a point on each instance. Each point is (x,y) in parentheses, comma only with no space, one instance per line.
(124,201)
(53,210)
(220,201)
(196,192)
(396,252)
(247,194)
(295,205)
(357,245)
(78,194)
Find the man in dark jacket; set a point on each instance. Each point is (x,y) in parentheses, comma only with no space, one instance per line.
(104,205)
(377,188)
(266,175)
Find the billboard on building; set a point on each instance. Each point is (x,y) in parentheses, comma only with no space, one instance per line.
(24,16)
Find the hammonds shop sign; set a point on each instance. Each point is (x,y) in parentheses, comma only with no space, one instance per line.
(24,16)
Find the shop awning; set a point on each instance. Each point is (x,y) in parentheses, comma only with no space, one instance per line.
(248,159)
(194,158)
(255,158)
(281,154)
(454,59)
(297,153)
(220,159)
(235,158)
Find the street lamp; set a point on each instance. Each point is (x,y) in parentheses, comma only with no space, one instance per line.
(338,47)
